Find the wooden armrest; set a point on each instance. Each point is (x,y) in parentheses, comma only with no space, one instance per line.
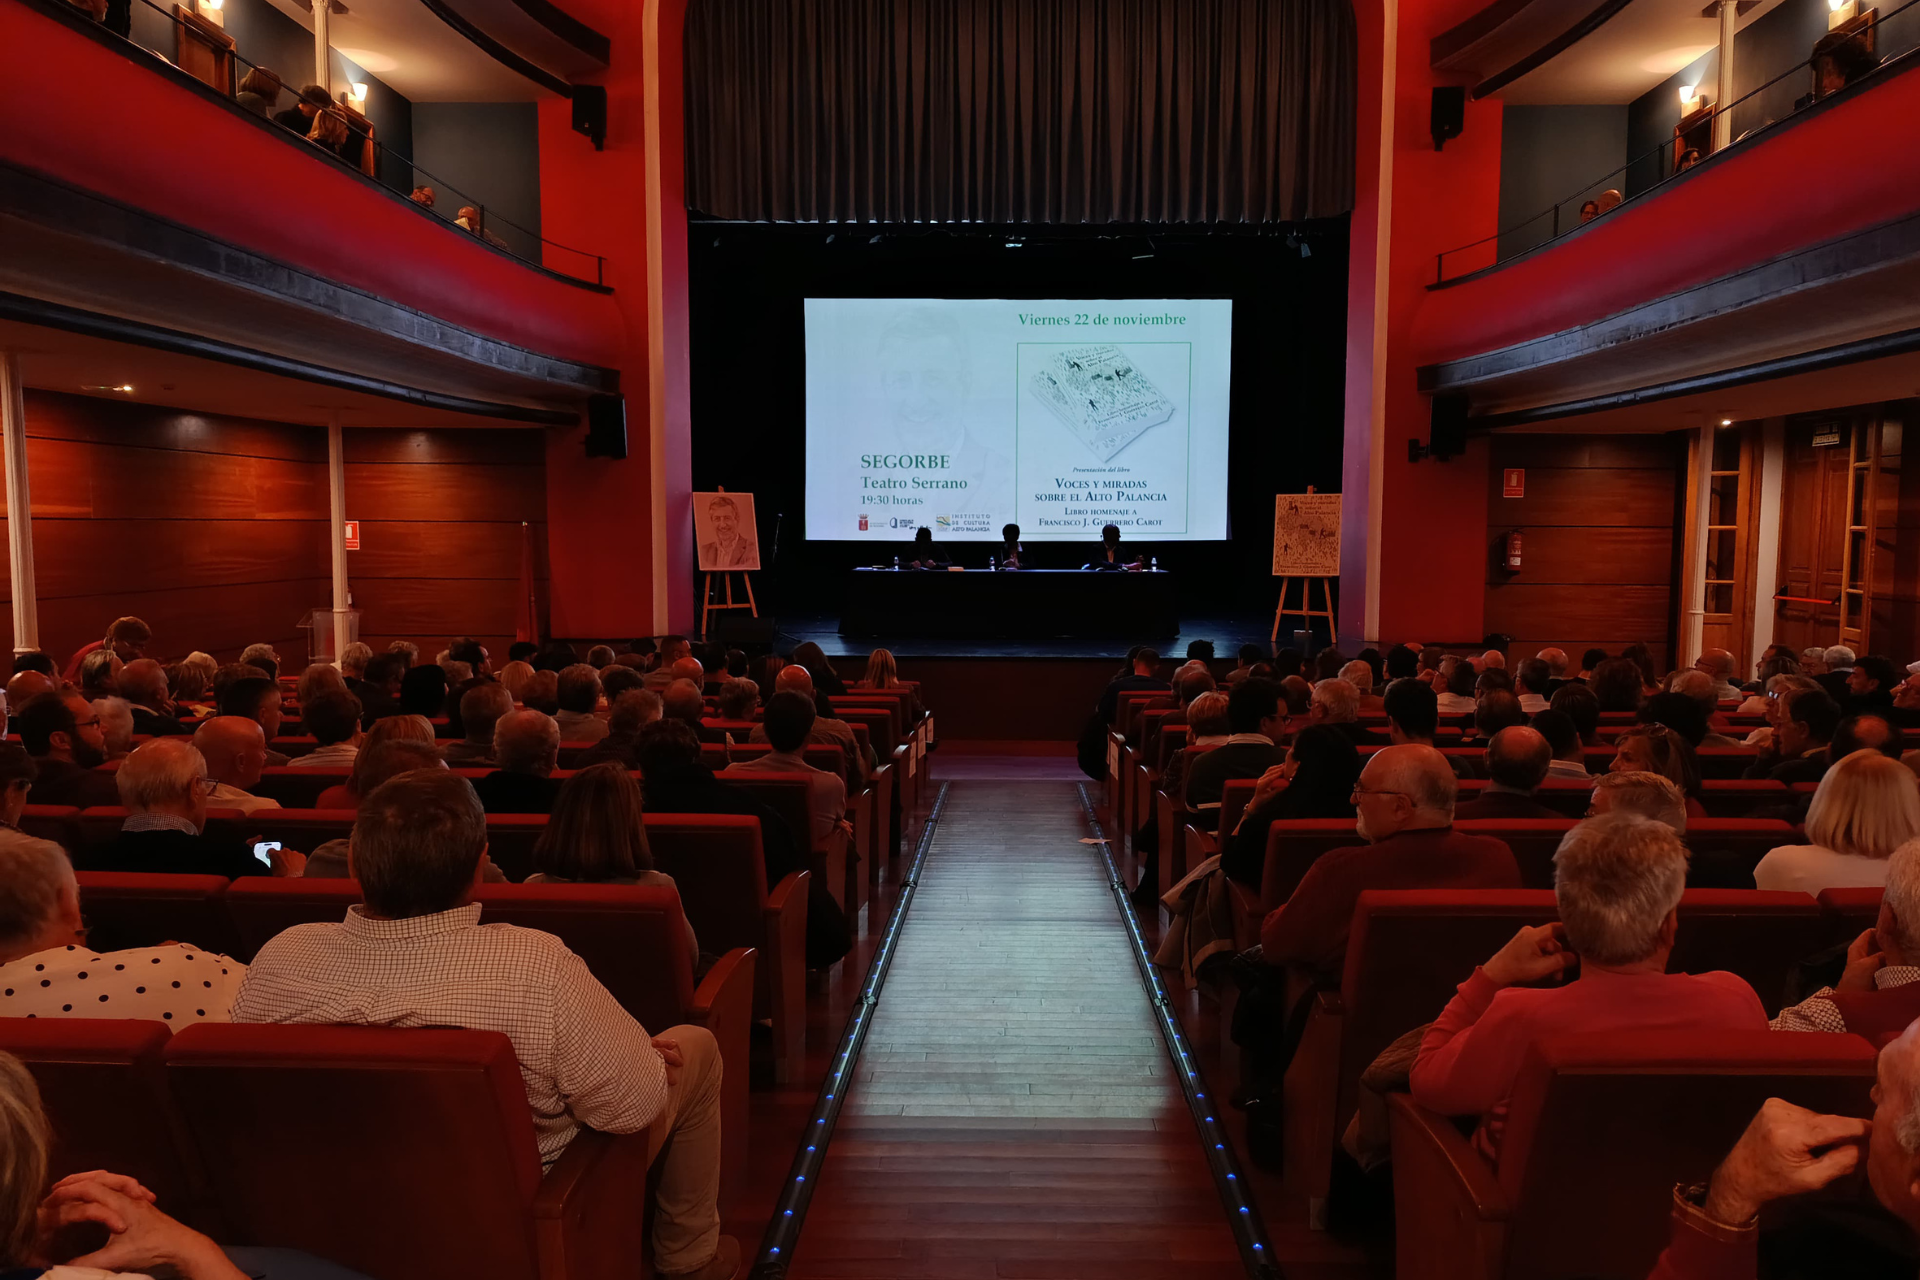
(584,1219)
(1311,1102)
(1447,1203)
(783,970)
(1429,1143)
(723,1004)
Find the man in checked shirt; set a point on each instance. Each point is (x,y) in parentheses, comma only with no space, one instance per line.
(1879,993)
(415,954)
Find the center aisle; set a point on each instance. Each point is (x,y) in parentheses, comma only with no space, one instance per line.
(1014,1112)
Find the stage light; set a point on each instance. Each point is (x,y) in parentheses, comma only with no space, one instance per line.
(1726,422)
(1013,244)
(1687,94)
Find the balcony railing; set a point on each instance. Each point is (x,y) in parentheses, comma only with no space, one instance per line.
(1463,260)
(223,67)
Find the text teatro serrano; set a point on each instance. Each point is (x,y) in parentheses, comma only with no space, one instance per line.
(907,462)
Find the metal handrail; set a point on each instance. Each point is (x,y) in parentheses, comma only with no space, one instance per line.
(479,232)
(1440,259)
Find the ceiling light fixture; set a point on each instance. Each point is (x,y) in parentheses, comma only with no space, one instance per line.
(102,386)
(1726,422)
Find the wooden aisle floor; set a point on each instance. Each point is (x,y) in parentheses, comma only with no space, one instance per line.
(1014,1113)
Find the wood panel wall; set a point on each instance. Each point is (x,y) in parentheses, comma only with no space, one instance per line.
(1598,538)
(214,529)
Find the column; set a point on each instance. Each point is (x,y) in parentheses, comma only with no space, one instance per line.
(1694,594)
(337,532)
(1766,532)
(1723,115)
(323,45)
(13,435)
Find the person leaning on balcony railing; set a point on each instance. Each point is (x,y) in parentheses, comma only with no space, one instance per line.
(299,117)
(1838,59)
(470,220)
(259,91)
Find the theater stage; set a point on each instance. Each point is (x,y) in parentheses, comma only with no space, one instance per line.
(1012,692)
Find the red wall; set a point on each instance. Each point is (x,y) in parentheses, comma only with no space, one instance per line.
(1814,180)
(214,529)
(243,181)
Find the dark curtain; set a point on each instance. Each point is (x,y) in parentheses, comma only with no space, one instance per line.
(1020,111)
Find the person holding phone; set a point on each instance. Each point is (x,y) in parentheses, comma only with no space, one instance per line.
(164,786)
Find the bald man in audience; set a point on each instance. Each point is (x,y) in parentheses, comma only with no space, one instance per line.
(26,686)
(1556,660)
(1491,660)
(794,679)
(1517,762)
(672,650)
(1717,665)
(1405,801)
(143,683)
(1698,686)
(682,702)
(526,747)
(235,750)
(481,708)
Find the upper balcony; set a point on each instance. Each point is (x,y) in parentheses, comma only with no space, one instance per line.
(137,185)
(1653,239)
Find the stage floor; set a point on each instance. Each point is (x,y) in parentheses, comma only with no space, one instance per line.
(1227,634)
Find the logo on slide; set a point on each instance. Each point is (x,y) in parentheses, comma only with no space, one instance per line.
(863,522)
(945,522)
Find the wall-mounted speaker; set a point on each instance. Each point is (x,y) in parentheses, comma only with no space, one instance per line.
(607,427)
(590,113)
(1449,116)
(1447,428)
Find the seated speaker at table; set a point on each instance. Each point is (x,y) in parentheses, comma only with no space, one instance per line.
(1110,556)
(1012,554)
(925,554)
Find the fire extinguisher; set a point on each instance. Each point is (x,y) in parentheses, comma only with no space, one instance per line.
(1513,551)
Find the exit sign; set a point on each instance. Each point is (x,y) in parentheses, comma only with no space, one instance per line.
(352,528)
(1513,482)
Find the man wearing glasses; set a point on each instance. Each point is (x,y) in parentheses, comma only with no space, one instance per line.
(1404,802)
(61,732)
(164,785)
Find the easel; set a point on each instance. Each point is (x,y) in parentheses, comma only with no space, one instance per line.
(1306,612)
(709,606)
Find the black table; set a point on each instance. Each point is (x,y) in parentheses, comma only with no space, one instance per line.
(1034,604)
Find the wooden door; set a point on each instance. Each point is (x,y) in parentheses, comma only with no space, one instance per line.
(203,50)
(1813,513)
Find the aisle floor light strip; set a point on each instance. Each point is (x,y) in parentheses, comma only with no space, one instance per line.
(1243,1215)
(790,1210)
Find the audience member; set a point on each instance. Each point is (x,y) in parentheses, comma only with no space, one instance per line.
(380,687)
(368,772)
(262,656)
(1456,692)
(258,699)
(1336,704)
(163,787)
(377,762)
(578,692)
(1563,740)
(418,851)
(618,679)
(126,639)
(1836,663)
(1253,713)
(100,674)
(311,101)
(1496,709)
(1207,726)
(480,710)
(1698,687)
(353,664)
(1641,656)
(1866,807)
(1316,781)
(597,836)
(826,729)
(1618,685)
(258,92)
(333,720)
(787,726)
(1803,726)
(1556,660)
(1878,994)
(235,751)
(1642,795)
(682,701)
(316,677)
(739,699)
(1517,762)
(811,656)
(526,747)
(514,678)
(1680,713)
(1360,675)
(1577,701)
(1870,684)
(17,774)
(1590,662)
(1839,58)
(61,731)
(1144,675)
(1617,882)
(1404,801)
(1535,684)
(1244,660)
(116,725)
(48,970)
(1658,749)
(542,692)
(26,686)
(423,691)
(1718,666)
(633,711)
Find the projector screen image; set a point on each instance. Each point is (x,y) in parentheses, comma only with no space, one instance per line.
(1060,416)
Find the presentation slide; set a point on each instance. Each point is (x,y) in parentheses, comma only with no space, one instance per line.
(1060,416)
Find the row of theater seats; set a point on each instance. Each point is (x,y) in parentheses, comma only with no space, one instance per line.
(1600,1128)
(245,1130)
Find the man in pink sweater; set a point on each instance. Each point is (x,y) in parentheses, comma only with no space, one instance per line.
(1618,881)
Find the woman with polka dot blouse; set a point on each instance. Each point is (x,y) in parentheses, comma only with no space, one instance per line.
(48,971)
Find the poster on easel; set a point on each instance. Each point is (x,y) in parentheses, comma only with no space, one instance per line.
(1306,535)
(724,530)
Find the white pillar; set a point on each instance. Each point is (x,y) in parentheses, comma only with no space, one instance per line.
(1766,568)
(323,45)
(13,436)
(1694,597)
(337,530)
(1723,117)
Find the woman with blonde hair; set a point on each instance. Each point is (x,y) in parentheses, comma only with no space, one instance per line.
(882,672)
(359,782)
(515,676)
(1867,806)
(596,836)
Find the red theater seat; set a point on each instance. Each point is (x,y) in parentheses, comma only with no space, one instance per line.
(1599,1130)
(1851,911)
(402,1153)
(634,939)
(106,1098)
(717,863)
(262,907)
(59,823)
(297,788)
(133,909)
